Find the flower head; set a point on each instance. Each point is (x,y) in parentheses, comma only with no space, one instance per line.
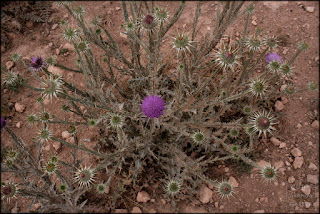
(198,137)
(44,117)
(52,87)
(9,78)
(286,69)
(303,46)
(173,186)
(269,173)
(12,154)
(70,34)
(72,130)
(116,121)
(273,57)
(32,118)
(162,14)
(234,133)
(51,60)
(181,43)
(83,46)
(129,26)
(50,167)
(227,57)
(225,189)
(101,188)
(16,57)
(153,106)
(247,109)
(253,44)
(37,64)
(258,87)
(313,86)
(9,191)
(3,123)
(53,159)
(84,176)
(289,90)
(149,22)
(270,42)
(44,135)
(262,122)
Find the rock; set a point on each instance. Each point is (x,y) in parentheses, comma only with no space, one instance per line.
(70,140)
(312,179)
(56,145)
(65,134)
(307,204)
(136,210)
(35,206)
(310,9)
(9,65)
(221,207)
(192,209)
(283,87)
(163,201)
(279,106)
(262,163)
(205,194)
(118,8)
(152,210)
(143,197)
(299,126)
(296,152)
(315,124)
(46,101)
(284,100)
(259,211)
(306,189)
(120,211)
(298,162)
(274,5)
(275,141)
(19,107)
(279,164)
(226,169)
(19,124)
(316,58)
(291,179)
(254,22)
(66,16)
(312,166)
(54,26)
(55,70)
(233,182)
(254,18)
(15,210)
(216,204)
(256,200)
(68,46)
(282,145)
(316,204)
(47,148)
(122,35)
(152,200)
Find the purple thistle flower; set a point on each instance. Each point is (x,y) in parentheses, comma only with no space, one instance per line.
(273,57)
(153,106)
(3,123)
(37,63)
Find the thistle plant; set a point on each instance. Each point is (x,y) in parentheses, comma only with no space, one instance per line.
(153,124)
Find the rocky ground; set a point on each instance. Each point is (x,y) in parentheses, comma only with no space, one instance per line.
(293,149)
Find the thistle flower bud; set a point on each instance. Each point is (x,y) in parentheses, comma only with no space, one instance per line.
(286,69)
(9,191)
(101,188)
(53,159)
(225,189)
(181,43)
(303,46)
(51,60)
(84,176)
(173,187)
(12,154)
(129,26)
(78,12)
(62,187)
(65,108)
(83,46)
(198,137)
(70,34)
(44,117)
(269,173)
(9,78)
(16,57)
(227,57)
(162,14)
(234,133)
(52,87)
(258,87)
(149,22)
(262,122)
(44,135)
(253,44)
(313,86)
(270,42)
(247,109)
(72,130)
(50,167)
(92,122)
(289,90)
(116,121)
